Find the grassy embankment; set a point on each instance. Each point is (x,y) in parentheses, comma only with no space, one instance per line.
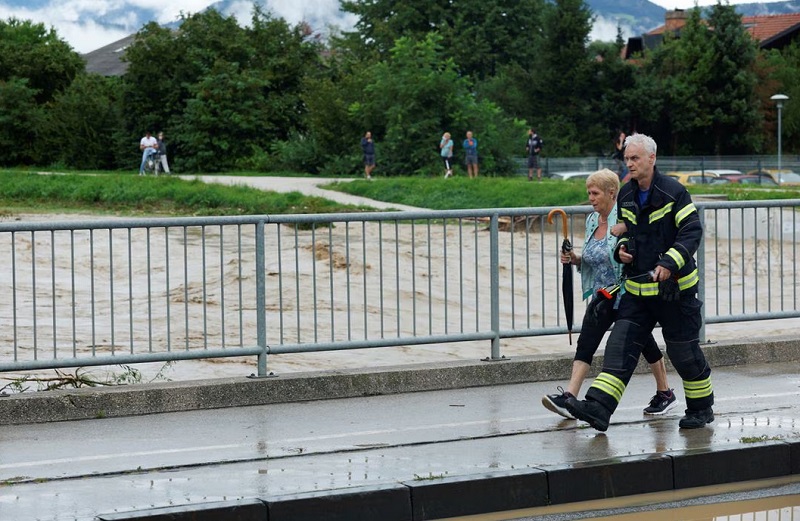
(488,192)
(126,194)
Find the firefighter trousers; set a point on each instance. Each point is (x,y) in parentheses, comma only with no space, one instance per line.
(680,324)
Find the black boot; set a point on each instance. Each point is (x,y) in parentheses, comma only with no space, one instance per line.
(695,419)
(589,411)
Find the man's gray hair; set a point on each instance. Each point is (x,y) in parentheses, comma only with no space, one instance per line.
(642,140)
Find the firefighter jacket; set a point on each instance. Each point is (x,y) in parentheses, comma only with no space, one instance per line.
(665,231)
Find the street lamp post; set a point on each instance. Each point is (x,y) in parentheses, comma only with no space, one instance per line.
(779,99)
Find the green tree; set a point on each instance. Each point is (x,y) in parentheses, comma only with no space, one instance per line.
(782,76)
(704,86)
(223,120)
(20,116)
(415,96)
(29,50)
(224,93)
(612,81)
(566,58)
(80,126)
(730,87)
(156,83)
(481,35)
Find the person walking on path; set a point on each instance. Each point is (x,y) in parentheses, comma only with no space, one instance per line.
(533,147)
(660,277)
(446,151)
(471,154)
(599,270)
(163,164)
(368,147)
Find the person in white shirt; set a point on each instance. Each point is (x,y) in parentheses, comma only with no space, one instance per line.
(149,146)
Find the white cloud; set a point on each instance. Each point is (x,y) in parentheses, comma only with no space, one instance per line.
(605,30)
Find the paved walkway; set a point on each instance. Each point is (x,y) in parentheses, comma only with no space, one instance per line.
(477,444)
(304,185)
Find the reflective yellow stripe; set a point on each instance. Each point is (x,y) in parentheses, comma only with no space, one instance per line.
(689,280)
(677,257)
(659,214)
(647,289)
(650,289)
(684,213)
(698,389)
(629,215)
(609,384)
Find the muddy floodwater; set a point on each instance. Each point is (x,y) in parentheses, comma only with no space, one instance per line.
(765,500)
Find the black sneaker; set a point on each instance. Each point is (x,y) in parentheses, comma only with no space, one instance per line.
(696,419)
(558,403)
(661,402)
(589,411)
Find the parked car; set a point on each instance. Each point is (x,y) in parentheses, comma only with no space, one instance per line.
(781,177)
(695,178)
(751,179)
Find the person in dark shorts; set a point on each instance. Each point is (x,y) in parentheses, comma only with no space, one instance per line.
(534,147)
(368,146)
(471,154)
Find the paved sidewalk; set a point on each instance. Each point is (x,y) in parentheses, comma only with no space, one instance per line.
(420,455)
(304,185)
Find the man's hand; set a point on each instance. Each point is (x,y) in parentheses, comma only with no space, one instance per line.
(661,273)
(624,256)
(619,229)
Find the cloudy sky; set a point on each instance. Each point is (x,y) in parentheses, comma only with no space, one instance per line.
(69,17)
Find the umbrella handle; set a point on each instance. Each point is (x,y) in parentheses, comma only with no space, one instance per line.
(567,246)
(563,219)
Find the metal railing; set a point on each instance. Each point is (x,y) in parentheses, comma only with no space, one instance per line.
(122,291)
(744,164)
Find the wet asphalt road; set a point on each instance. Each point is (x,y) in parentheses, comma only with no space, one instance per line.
(76,470)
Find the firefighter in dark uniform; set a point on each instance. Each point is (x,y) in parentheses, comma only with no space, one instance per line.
(660,277)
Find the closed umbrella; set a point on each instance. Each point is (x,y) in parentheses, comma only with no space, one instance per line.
(566,280)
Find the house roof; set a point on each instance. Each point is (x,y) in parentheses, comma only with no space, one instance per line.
(768,30)
(107,60)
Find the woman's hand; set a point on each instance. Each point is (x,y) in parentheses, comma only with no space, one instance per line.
(619,229)
(570,258)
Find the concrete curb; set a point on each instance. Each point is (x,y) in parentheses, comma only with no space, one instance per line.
(447,497)
(88,403)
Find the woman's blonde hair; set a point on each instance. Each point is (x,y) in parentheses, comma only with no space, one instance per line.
(605,179)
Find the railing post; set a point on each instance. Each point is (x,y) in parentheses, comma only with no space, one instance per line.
(494,263)
(261,298)
(701,273)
